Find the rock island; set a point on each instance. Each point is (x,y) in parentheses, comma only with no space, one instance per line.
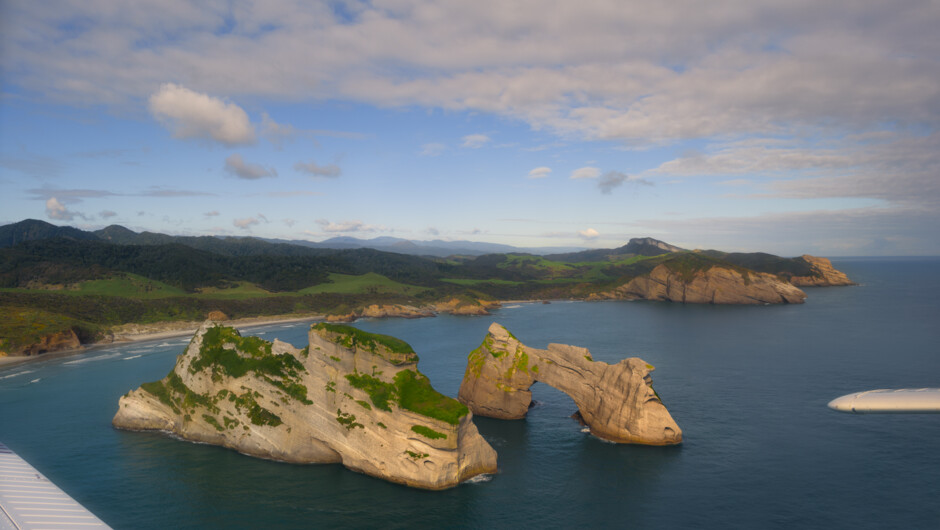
(617,402)
(349,397)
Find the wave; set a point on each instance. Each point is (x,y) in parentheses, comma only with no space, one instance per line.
(17,373)
(132,357)
(479,479)
(511,306)
(38,379)
(93,359)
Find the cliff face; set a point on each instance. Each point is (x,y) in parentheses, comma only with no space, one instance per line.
(350,397)
(825,274)
(716,285)
(59,341)
(617,401)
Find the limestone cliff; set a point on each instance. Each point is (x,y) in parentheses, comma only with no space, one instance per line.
(714,285)
(617,401)
(350,396)
(824,274)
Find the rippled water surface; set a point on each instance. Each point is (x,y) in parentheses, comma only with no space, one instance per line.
(748,386)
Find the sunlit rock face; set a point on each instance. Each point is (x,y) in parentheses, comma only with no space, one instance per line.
(350,397)
(824,274)
(617,401)
(716,285)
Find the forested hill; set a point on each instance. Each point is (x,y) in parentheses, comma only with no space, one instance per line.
(67,261)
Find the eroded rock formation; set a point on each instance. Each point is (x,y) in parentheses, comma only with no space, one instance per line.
(825,274)
(52,342)
(617,401)
(350,396)
(715,285)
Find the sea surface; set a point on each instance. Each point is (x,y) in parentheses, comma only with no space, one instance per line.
(747,385)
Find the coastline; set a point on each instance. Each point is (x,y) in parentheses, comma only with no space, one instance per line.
(130,333)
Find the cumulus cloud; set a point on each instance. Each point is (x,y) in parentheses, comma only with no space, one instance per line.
(57,210)
(313,169)
(347,226)
(587,172)
(539,172)
(475,141)
(192,114)
(213,213)
(107,214)
(432,231)
(246,222)
(243,170)
(588,234)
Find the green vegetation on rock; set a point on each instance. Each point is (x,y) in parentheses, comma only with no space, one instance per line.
(390,348)
(428,432)
(411,391)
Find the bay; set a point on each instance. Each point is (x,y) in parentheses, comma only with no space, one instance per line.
(748,386)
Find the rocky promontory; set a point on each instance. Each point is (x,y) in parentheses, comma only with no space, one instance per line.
(617,402)
(349,397)
(712,285)
(823,274)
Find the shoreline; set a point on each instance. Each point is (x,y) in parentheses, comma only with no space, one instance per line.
(149,332)
(130,333)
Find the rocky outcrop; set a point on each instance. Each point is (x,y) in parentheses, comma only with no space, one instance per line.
(217,316)
(617,401)
(715,285)
(351,397)
(464,306)
(59,341)
(824,274)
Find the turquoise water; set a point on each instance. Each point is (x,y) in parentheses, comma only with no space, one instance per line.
(748,386)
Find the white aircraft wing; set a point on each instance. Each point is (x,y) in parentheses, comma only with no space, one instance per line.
(888,401)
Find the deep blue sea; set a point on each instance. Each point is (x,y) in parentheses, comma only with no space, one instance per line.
(747,385)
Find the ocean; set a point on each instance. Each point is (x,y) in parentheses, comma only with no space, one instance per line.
(747,385)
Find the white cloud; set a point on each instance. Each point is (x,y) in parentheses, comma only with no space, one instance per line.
(106,214)
(475,141)
(191,114)
(588,234)
(347,227)
(586,173)
(539,172)
(432,149)
(311,168)
(246,223)
(56,210)
(213,213)
(243,170)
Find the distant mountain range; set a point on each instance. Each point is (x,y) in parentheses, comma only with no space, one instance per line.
(33,230)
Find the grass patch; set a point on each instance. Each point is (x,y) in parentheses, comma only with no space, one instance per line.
(389,348)
(347,420)
(411,391)
(416,394)
(369,283)
(428,432)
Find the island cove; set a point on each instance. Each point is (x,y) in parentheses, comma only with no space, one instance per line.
(358,398)
(61,287)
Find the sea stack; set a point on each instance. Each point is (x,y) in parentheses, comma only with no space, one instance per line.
(350,397)
(616,401)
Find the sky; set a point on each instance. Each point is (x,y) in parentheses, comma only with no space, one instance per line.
(788,127)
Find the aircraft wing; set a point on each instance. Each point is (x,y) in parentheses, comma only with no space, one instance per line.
(890,401)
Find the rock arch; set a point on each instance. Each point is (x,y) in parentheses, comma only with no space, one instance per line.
(616,401)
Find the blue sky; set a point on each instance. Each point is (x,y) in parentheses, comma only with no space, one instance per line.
(786,127)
